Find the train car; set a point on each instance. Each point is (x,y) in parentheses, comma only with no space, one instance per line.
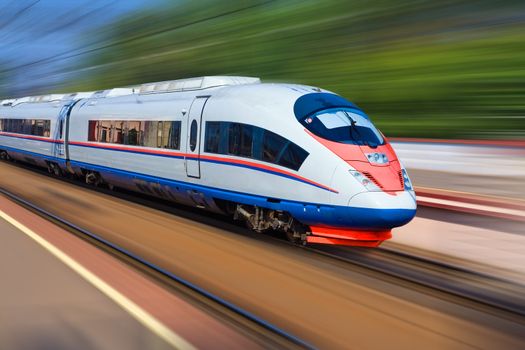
(279,156)
(28,128)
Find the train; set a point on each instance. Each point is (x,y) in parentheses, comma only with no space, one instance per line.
(280,157)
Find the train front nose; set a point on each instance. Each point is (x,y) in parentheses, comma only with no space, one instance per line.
(382,210)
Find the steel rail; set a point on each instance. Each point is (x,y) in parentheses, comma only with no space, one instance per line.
(483,289)
(216,299)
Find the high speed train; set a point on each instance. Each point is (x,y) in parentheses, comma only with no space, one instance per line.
(285,157)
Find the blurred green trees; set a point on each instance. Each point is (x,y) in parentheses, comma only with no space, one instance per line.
(419,68)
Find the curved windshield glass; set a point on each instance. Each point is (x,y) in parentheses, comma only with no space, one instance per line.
(345,126)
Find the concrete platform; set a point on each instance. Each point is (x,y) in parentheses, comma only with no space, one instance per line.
(45,305)
(485,169)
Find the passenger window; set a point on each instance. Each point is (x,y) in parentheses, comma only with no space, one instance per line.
(175,135)
(166,134)
(134,133)
(18,126)
(151,133)
(93,130)
(272,146)
(47,128)
(213,135)
(234,138)
(118,132)
(105,127)
(193,135)
(159,134)
(60,129)
(246,141)
(293,156)
(39,128)
(26,127)
(33,129)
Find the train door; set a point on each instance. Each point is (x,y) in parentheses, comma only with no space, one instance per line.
(60,131)
(61,136)
(194,123)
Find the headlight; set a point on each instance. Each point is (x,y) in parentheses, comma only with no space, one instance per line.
(363,180)
(406,180)
(377,158)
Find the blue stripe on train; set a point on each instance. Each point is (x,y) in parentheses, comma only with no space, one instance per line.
(224,162)
(308,213)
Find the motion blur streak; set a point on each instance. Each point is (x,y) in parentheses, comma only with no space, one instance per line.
(427,69)
(136,311)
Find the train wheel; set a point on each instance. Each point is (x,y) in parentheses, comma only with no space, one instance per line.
(93,178)
(297,234)
(54,169)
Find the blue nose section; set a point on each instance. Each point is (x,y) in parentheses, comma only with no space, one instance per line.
(355,218)
(372,218)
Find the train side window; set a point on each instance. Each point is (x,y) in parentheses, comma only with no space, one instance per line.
(213,137)
(47,128)
(193,135)
(292,157)
(17,126)
(234,138)
(26,127)
(141,133)
(224,141)
(13,126)
(246,141)
(151,133)
(105,128)
(175,134)
(134,133)
(159,134)
(166,134)
(257,144)
(32,128)
(60,129)
(39,128)
(272,146)
(118,132)
(93,130)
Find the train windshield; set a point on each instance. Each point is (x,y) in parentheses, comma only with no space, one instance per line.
(345,126)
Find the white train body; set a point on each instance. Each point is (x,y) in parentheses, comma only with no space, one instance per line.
(252,154)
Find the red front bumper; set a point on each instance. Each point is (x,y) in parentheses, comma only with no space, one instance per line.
(339,236)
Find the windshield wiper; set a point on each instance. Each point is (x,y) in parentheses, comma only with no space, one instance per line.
(354,127)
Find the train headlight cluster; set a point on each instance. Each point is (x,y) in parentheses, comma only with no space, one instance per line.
(377,158)
(363,180)
(406,180)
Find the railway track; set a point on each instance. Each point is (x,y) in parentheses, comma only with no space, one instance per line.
(113,248)
(482,291)
(489,294)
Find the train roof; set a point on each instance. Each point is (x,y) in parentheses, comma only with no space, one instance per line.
(249,89)
(190,84)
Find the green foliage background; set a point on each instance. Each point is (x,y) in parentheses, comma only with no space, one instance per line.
(419,68)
